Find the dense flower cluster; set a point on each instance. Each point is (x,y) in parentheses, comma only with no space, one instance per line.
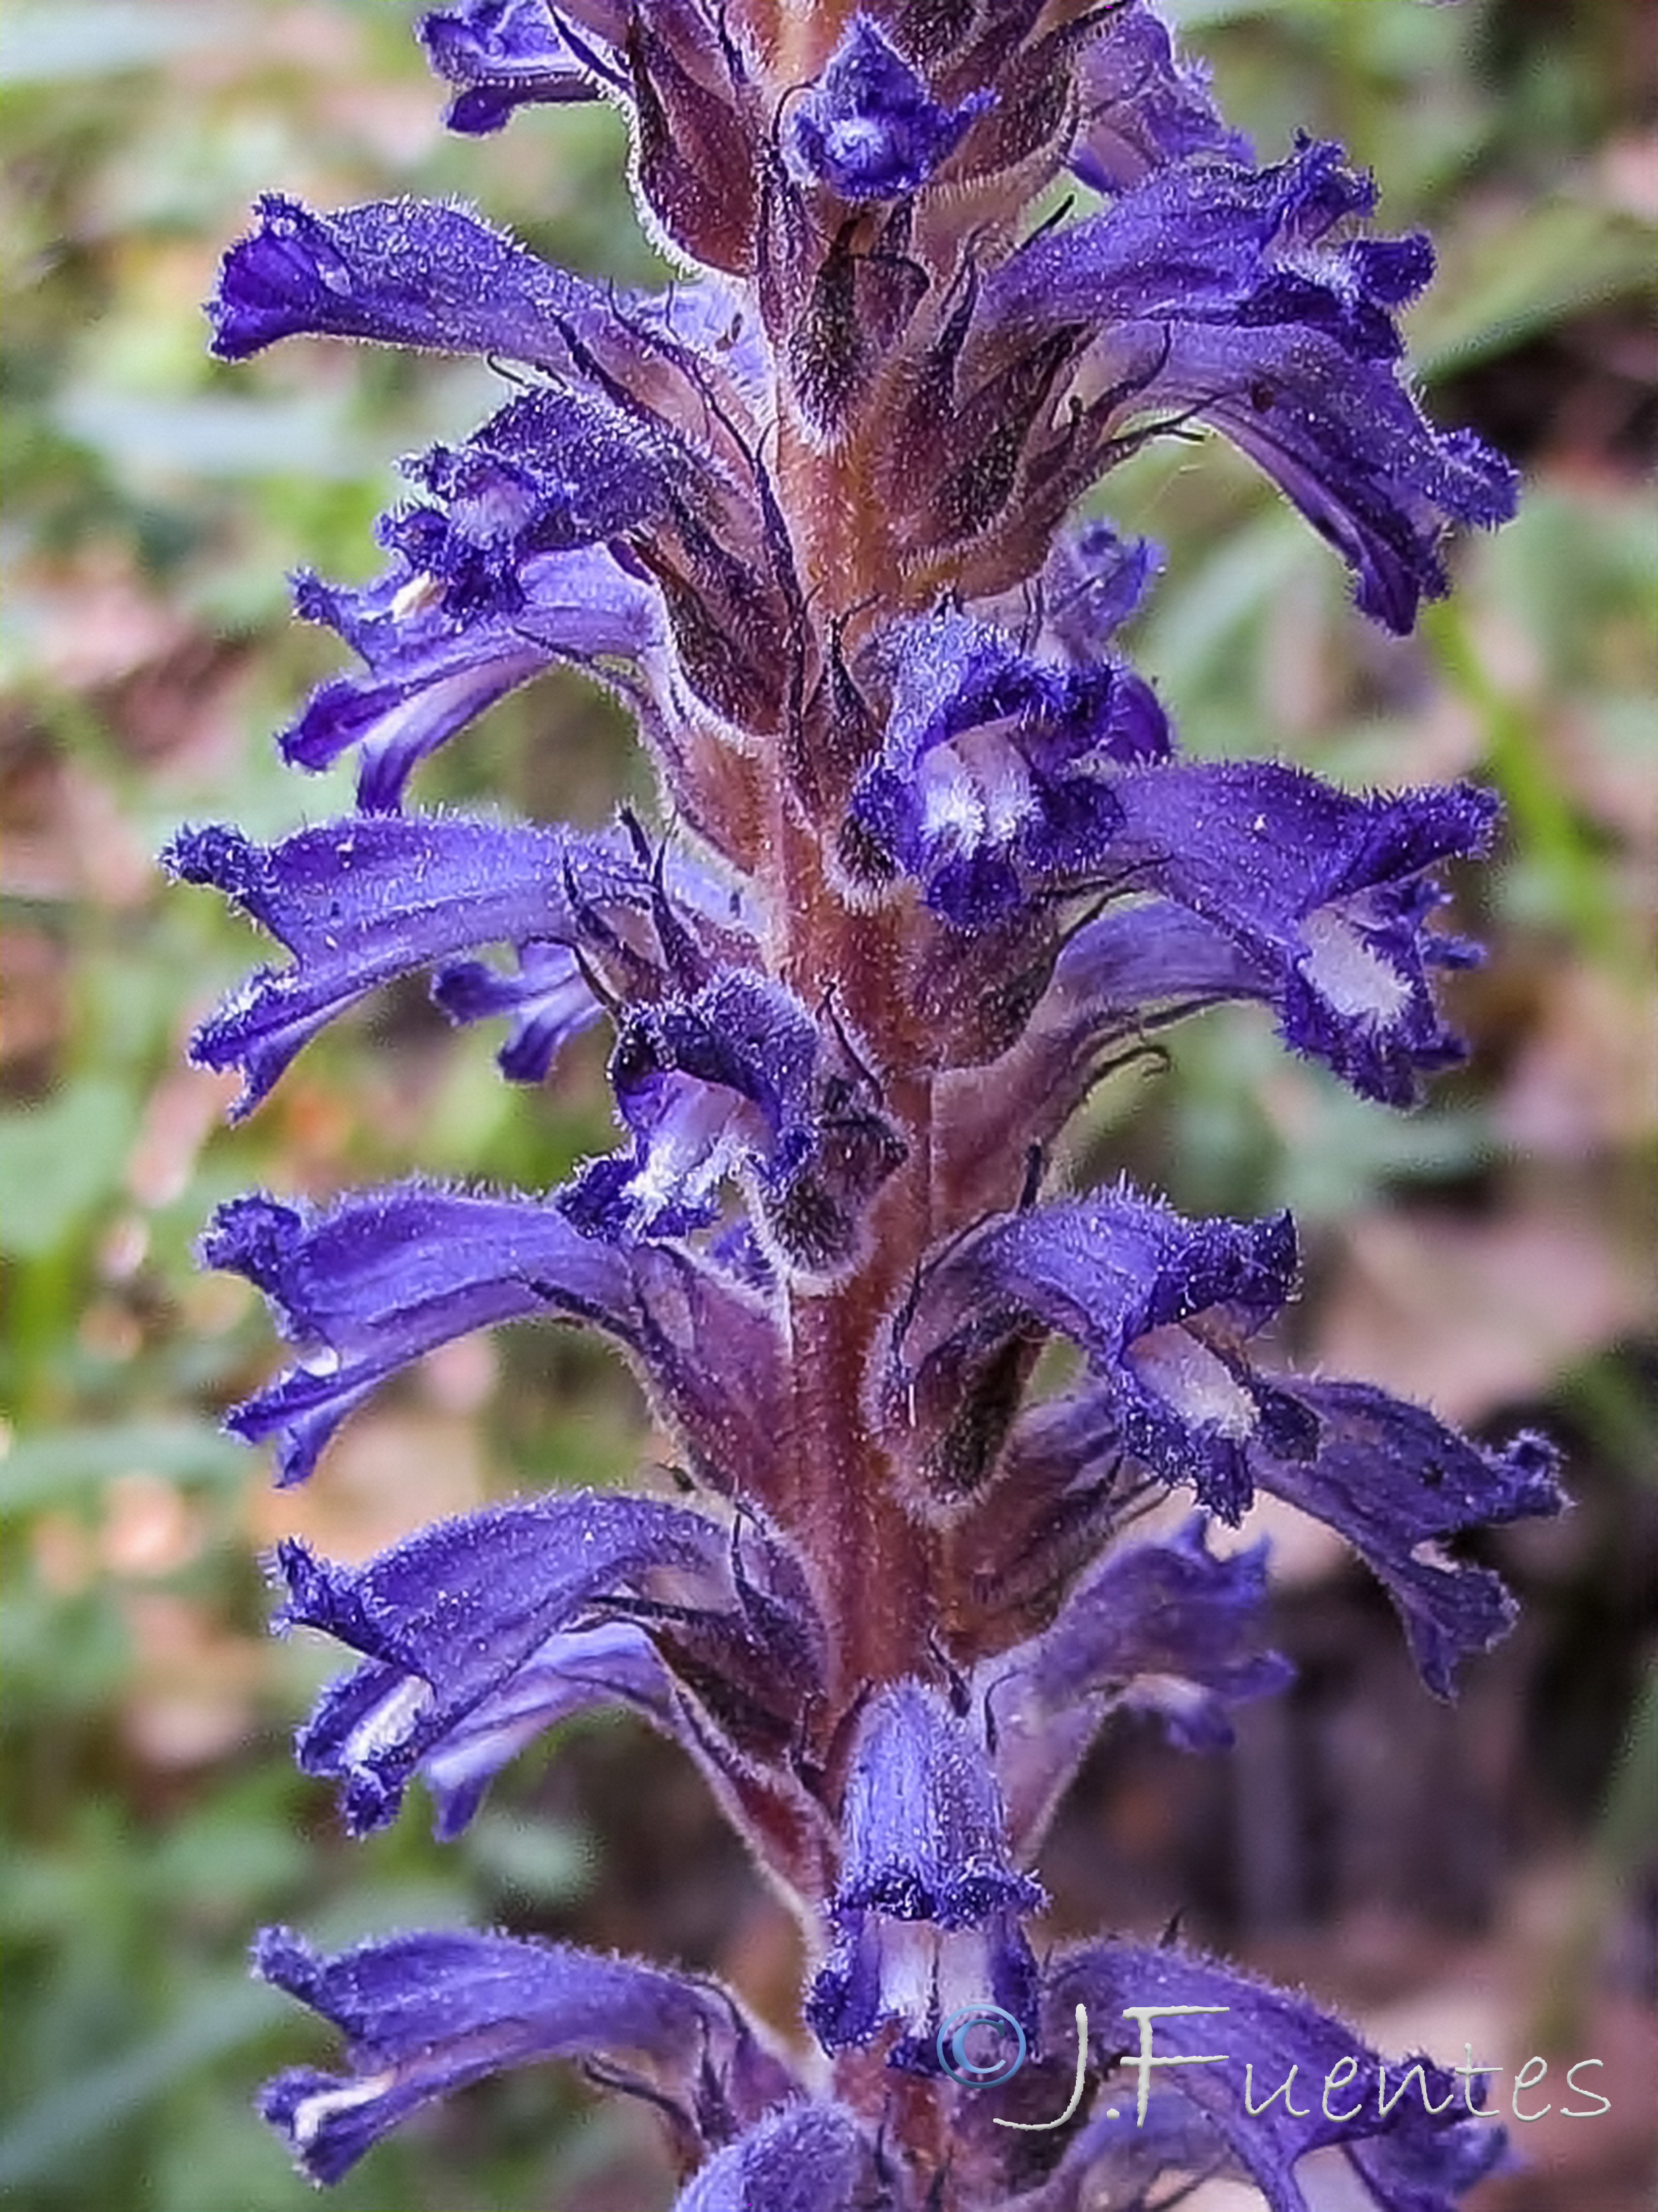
(935,860)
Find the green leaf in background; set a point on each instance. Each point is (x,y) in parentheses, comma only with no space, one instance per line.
(215,436)
(52,1468)
(226,2013)
(543,1860)
(1508,282)
(59,1160)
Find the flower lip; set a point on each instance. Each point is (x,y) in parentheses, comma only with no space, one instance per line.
(928,1904)
(992,783)
(422,2015)
(1144,105)
(737,1080)
(502,55)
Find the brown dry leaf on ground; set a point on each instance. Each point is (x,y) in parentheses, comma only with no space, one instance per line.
(194,1684)
(1584,1081)
(1469,1316)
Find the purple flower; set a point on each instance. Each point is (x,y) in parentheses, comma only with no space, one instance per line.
(424,2014)
(739,1081)
(502,55)
(430,674)
(396,270)
(868,128)
(1163,1308)
(1387,1475)
(548,1001)
(1145,104)
(927,1910)
(572,1671)
(1229,293)
(988,785)
(805,2158)
(473,1628)
(1313,901)
(1397,1482)
(366,1286)
(1415,2154)
(361,901)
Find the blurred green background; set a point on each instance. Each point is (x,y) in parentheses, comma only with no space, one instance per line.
(1489,1253)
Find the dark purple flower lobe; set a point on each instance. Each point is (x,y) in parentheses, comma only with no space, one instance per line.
(869,127)
(424,2015)
(362,901)
(502,55)
(404,272)
(1144,105)
(1413,2159)
(805,2158)
(1397,1482)
(928,1903)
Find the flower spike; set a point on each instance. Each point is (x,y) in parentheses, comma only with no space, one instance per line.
(929,860)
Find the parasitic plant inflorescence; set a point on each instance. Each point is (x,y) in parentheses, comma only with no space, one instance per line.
(931,858)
